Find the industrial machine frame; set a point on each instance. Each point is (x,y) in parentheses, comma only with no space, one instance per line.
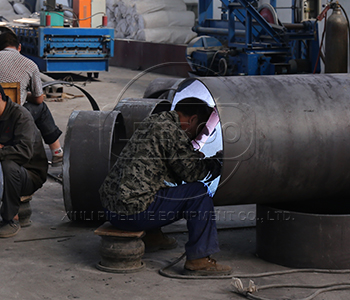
(251,41)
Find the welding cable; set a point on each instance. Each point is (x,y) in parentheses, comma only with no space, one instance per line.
(163,272)
(212,61)
(76,19)
(98,13)
(211,64)
(290,271)
(296,11)
(248,292)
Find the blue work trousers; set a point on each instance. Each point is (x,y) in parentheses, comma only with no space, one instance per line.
(44,121)
(190,201)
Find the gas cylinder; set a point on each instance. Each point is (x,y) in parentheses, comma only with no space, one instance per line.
(336,42)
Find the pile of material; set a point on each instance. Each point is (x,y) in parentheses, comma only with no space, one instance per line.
(158,21)
(15,11)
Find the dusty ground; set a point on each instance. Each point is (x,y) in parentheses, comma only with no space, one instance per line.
(55,258)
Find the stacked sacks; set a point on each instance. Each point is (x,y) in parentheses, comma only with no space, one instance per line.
(8,11)
(159,21)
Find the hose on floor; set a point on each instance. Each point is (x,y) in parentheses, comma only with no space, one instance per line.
(249,291)
(238,287)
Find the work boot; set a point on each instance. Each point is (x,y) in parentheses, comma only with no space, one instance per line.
(205,266)
(156,240)
(8,229)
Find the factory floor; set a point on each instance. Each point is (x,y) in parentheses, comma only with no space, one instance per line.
(55,258)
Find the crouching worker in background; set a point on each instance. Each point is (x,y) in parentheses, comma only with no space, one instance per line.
(14,67)
(23,161)
(145,189)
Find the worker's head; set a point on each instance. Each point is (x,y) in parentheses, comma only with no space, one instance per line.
(9,39)
(193,114)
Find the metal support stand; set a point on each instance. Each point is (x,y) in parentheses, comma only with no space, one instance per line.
(121,251)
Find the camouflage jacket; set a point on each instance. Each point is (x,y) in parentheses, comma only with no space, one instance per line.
(159,152)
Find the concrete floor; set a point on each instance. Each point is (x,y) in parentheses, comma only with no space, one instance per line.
(55,258)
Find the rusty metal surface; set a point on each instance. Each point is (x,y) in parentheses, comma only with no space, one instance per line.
(134,110)
(92,144)
(285,138)
(305,235)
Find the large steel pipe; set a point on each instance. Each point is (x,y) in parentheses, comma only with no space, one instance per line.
(305,235)
(134,111)
(285,138)
(92,143)
(162,88)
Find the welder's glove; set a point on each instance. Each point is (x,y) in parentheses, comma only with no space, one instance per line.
(216,168)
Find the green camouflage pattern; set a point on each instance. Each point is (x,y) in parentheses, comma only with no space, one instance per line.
(158,153)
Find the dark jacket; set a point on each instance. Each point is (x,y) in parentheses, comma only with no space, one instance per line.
(22,141)
(158,154)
